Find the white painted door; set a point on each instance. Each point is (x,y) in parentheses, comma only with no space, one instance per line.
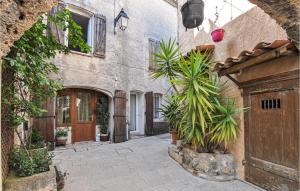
(132,112)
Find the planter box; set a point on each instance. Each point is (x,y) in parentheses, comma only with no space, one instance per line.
(210,166)
(45,181)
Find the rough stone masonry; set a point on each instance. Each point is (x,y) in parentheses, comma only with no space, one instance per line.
(17,16)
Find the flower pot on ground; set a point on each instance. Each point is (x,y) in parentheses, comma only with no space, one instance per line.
(61,136)
(102,118)
(104,137)
(174,136)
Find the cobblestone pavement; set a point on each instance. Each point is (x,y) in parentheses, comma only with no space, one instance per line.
(136,165)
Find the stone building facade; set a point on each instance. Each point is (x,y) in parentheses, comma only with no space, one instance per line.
(242,33)
(124,64)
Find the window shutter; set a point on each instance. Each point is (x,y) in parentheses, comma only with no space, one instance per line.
(153,48)
(54,29)
(120,116)
(99,35)
(149,113)
(151,60)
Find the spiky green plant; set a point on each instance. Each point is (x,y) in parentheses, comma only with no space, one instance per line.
(167,61)
(172,113)
(205,122)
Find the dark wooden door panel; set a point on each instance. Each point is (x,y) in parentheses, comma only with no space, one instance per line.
(120,116)
(272,139)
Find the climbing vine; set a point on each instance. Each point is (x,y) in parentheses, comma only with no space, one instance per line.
(29,65)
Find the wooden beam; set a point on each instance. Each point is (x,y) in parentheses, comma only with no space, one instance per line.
(276,53)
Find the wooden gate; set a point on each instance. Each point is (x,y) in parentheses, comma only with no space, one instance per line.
(272,136)
(46,123)
(120,116)
(149,114)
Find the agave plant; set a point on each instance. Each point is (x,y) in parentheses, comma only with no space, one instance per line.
(204,121)
(172,112)
(224,126)
(197,86)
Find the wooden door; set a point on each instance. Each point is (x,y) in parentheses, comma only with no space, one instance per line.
(272,139)
(83,115)
(149,113)
(120,116)
(46,122)
(133,112)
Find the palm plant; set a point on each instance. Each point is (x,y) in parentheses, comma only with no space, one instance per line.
(203,121)
(167,61)
(172,112)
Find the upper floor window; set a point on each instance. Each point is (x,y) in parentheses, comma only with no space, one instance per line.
(156,105)
(154,47)
(93,29)
(85,23)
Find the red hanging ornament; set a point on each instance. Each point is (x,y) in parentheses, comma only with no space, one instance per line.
(217,34)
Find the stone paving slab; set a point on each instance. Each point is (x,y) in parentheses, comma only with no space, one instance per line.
(136,165)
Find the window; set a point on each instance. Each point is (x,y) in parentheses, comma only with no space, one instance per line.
(270,104)
(83,107)
(156,105)
(62,110)
(154,46)
(93,29)
(84,22)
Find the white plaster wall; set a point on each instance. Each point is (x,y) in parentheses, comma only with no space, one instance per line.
(125,66)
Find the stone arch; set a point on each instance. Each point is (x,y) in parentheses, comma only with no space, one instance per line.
(286,14)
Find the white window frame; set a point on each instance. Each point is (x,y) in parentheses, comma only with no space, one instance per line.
(159,96)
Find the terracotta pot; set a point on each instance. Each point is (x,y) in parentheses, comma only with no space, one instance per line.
(217,35)
(104,137)
(61,140)
(174,136)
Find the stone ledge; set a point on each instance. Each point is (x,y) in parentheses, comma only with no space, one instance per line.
(210,166)
(45,181)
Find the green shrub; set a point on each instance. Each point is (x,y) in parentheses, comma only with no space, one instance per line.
(20,162)
(61,132)
(41,160)
(37,140)
(23,165)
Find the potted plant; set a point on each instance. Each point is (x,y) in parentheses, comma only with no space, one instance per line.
(102,117)
(171,113)
(61,136)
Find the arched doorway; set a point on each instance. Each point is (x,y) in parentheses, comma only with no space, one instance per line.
(76,110)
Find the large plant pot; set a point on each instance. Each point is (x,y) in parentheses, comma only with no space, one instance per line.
(104,137)
(192,13)
(174,136)
(61,141)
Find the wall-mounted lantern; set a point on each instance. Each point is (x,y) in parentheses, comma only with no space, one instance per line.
(121,20)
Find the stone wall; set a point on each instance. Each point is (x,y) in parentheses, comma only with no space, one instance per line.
(242,33)
(17,17)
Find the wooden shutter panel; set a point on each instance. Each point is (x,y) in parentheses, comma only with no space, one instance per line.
(120,116)
(149,113)
(58,32)
(99,35)
(151,61)
(46,123)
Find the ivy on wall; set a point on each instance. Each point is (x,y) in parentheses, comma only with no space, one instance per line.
(29,63)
